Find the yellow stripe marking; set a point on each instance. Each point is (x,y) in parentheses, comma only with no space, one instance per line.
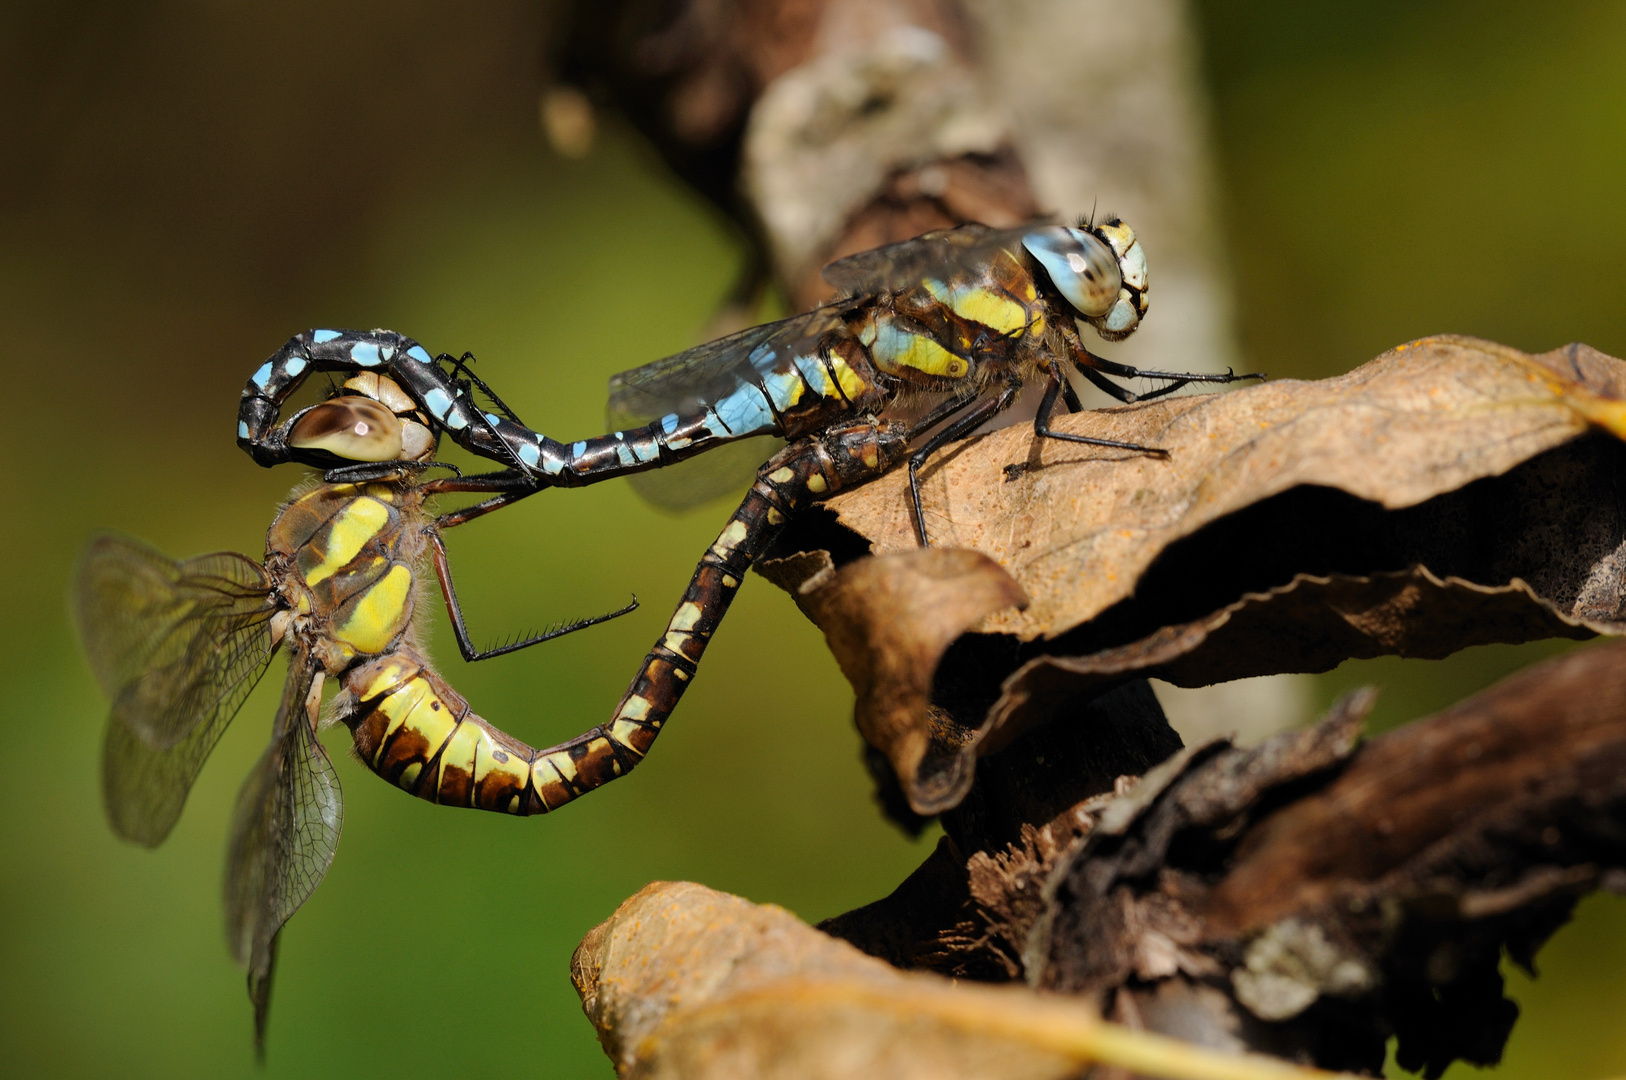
(409,775)
(781,475)
(389,676)
(685,617)
(852,385)
(461,752)
(816,484)
(352,527)
(398,706)
(731,537)
(622,731)
(563,767)
(774,516)
(378,616)
(636,708)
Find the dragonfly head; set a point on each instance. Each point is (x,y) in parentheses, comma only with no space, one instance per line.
(375,421)
(1099,268)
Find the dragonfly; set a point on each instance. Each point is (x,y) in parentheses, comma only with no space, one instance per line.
(178,646)
(926,341)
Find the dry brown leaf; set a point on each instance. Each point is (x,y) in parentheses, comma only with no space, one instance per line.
(1082,525)
(1446,494)
(684,982)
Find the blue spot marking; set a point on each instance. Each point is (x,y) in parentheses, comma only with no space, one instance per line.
(494,421)
(816,374)
(669,422)
(263,376)
(295,366)
(437,403)
(645,450)
(764,357)
(365,353)
(746,412)
(457,422)
(387,352)
(242,429)
(530,454)
(623,454)
(322,337)
(420,354)
(578,449)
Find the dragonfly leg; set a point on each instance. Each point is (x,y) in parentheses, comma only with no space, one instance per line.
(1096,368)
(443,571)
(986,409)
(1047,406)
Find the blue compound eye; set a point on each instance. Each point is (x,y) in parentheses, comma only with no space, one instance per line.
(1083,268)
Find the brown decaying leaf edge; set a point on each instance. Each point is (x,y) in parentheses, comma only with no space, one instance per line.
(685,982)
(1446,494)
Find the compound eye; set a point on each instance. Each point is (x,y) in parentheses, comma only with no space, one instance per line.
(1084,269)
(354,428)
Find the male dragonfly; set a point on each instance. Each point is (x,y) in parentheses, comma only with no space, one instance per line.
(179,645)
(946,328)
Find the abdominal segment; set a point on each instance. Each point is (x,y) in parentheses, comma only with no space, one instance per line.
(419,734)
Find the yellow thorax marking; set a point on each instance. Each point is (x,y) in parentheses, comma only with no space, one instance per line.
(352,527)
(846,378)
(379,613)
(981,305)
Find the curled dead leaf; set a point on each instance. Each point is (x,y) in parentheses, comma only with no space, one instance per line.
(889,620)
(1452,492)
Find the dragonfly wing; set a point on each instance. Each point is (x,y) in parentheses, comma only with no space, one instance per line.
(178,646)
(725,470)
(902,266)
(283,835)
(685,382)
(688,382)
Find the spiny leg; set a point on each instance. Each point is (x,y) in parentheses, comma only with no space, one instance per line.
(1047,406)
(443,571)
(986,409)
(1096,368)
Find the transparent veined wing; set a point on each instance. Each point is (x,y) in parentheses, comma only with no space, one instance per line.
(904,265)
(689,381)
(283,835)
(177,646)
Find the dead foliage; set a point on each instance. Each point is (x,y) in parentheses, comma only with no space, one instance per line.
(1452,492)
(1310,898)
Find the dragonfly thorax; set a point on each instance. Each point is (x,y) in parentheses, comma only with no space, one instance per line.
(344,557)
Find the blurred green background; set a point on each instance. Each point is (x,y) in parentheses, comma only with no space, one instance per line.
(182,186)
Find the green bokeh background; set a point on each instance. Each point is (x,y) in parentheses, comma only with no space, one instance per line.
(184,185)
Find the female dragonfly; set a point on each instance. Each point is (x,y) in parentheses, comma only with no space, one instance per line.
(179,645)
(953,323)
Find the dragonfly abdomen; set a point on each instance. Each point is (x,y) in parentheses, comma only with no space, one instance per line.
(416,732)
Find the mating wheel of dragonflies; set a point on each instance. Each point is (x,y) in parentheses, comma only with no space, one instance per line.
(959,319)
